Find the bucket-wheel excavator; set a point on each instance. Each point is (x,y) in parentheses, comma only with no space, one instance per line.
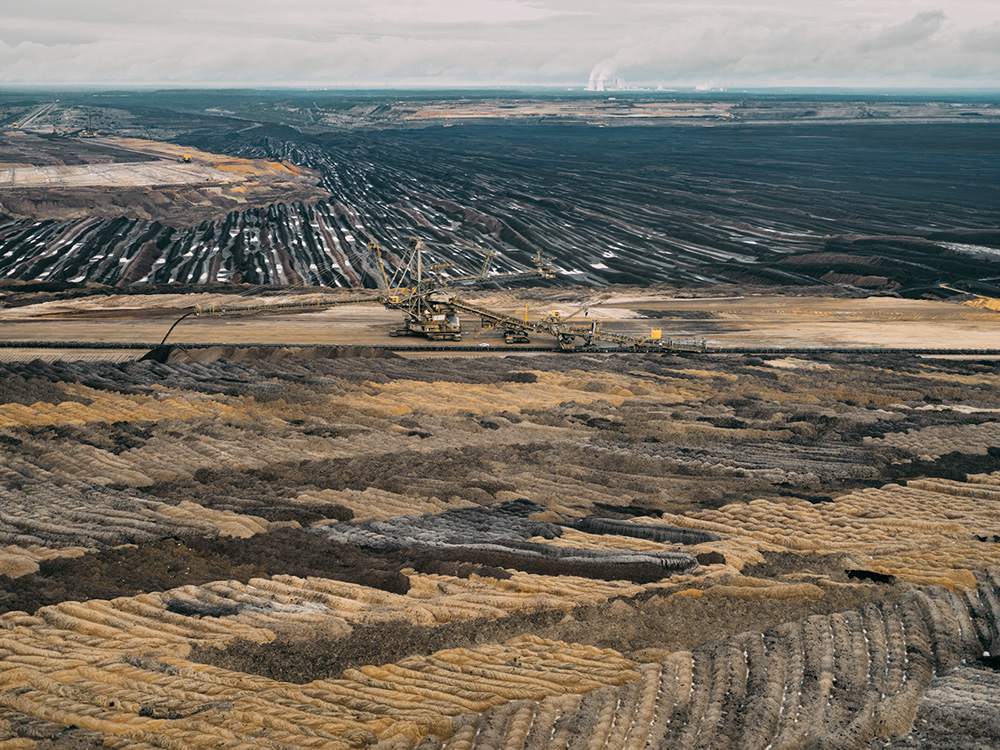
(431,309)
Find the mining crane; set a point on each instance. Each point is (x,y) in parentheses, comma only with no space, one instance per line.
(431,310)
(424,298)
(421,296)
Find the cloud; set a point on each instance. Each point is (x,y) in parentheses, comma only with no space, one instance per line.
(763,50)
(442,42)
(918,29)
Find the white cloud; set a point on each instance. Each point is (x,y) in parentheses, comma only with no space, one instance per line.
(763,49)
(442,42)
(918,29)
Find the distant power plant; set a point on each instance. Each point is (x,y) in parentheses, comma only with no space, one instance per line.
(604,83)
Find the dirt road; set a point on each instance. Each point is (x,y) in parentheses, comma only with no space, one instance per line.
(743,322)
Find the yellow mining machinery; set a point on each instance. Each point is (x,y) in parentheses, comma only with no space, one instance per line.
(570,336)
(431,310)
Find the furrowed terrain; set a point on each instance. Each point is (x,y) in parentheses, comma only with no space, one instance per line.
(898,202)
(306,549)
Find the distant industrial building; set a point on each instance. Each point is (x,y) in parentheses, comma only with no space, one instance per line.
(602,83)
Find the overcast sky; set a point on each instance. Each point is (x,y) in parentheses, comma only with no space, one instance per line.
(708,43)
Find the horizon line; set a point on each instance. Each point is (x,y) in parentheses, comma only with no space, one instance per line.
(577,88)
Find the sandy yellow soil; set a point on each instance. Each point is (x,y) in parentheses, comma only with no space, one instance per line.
(754,321)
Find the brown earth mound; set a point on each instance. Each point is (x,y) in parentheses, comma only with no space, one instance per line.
(112,178)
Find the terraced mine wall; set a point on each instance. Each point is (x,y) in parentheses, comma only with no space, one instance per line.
(776,204)
(596,551)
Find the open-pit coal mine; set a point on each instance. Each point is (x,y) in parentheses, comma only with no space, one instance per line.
(284,529)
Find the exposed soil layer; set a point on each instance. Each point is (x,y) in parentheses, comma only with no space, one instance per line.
(365,521)
(807,683)
(161,565)
(632,626)
(959,712)
(49,735)
(143,181)
(129,570)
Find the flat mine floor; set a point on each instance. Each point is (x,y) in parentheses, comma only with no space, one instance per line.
(741,321)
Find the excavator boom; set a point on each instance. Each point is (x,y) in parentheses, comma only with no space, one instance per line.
(431,311)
